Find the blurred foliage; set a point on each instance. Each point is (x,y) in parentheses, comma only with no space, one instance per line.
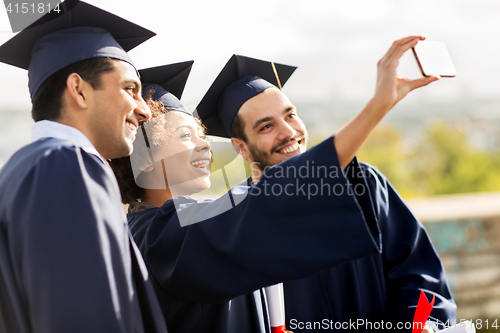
(441,161)
(440,158)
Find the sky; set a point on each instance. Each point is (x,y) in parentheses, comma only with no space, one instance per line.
(336,45)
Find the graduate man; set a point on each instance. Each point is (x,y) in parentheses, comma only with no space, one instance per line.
(265,128)
(67,263)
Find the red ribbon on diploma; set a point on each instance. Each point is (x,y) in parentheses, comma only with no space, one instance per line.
(278,329)
(422,312)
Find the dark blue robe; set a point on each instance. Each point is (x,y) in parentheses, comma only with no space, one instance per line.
(207,274)
(382,287)
(66,262)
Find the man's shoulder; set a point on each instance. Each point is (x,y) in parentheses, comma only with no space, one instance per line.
(371,171)
(56,169)
(41,148)
(45,157)
(29,155)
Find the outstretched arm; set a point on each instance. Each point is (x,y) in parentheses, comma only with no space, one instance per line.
(390,89)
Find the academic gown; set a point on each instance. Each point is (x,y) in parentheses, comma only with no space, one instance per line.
(207,275)
(67,263)
(382,287)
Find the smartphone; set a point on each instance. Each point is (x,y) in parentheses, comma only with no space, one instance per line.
(433,59)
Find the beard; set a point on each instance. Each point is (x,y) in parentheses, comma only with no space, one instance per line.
(265,160)
(262,159)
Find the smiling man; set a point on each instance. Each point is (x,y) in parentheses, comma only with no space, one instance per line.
(67,262)
(264,126)
(266,141)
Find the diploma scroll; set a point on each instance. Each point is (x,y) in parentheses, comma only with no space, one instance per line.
(276,304)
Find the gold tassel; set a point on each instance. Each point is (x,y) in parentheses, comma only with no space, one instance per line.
(276,74)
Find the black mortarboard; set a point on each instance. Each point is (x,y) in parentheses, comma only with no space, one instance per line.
(168,83)
(78,31)
(241,79)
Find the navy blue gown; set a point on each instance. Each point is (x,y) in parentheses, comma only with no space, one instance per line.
(67,263)
(207,275)
(382,287)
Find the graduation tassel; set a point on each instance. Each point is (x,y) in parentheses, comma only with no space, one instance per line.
(275,300)
(212,169)
(276,75)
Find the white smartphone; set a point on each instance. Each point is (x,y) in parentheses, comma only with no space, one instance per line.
(433,59)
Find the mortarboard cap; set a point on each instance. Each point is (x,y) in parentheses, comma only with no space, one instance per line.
(168,83)
(78,31)
(241,79)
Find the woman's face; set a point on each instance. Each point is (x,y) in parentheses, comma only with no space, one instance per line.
(185,154)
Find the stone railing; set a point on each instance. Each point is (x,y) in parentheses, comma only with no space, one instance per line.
(465,230)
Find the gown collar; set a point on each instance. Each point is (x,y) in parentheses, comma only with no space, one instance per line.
(52,129)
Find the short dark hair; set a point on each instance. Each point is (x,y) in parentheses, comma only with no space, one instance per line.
(238,128)
(47,103)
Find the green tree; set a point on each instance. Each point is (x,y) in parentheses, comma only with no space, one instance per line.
(441,162)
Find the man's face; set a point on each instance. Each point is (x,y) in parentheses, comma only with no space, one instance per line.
(115,111)
(273,129)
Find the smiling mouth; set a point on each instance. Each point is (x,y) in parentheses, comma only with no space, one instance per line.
(293,148)
(203,165)
(132,127)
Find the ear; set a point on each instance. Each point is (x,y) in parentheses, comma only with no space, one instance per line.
(241,147)
(77,90)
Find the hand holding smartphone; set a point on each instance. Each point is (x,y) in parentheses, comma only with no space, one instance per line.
(433,59)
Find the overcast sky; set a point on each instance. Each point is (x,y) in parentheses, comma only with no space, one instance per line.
(336,44)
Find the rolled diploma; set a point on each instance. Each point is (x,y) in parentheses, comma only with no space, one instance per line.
(276,304)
